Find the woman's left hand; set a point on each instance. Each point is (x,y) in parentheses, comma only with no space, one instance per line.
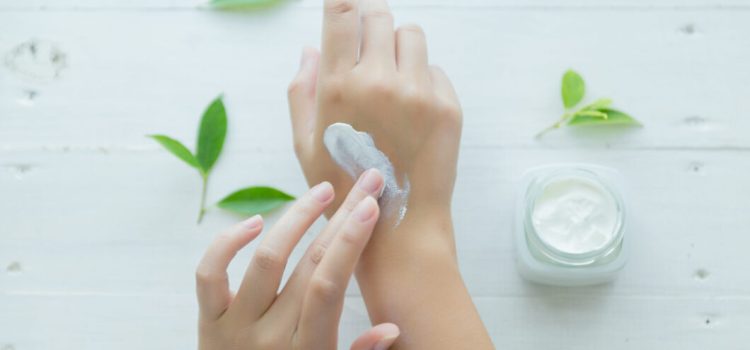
(306,313)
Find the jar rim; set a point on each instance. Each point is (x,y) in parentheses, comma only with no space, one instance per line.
(535,188)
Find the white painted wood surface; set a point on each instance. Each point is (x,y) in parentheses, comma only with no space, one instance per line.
(97,233)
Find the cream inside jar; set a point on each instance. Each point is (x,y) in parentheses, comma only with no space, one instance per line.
(575,215)
(570,224)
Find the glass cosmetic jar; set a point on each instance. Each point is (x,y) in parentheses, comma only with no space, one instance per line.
(570,226)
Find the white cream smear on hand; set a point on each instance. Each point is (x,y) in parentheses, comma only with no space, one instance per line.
(355,152)
(575,215)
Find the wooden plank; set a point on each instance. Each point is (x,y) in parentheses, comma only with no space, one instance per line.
(510,4)
(679,72)
(123,222)
(168,322)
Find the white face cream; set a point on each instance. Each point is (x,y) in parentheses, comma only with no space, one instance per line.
(355,152)
(575,215)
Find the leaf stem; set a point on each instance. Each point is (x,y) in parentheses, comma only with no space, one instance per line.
(554,126)
(202,211)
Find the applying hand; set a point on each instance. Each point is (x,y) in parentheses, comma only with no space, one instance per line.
(305,314)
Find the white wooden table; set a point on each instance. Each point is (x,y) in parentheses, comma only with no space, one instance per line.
(97,234)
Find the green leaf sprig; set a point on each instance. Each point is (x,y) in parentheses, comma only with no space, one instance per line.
(598,112)
(211,135)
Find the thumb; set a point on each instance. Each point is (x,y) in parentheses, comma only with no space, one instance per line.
(301,95)
(380,337)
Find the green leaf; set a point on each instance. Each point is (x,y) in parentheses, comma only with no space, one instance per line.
(598,104)
(178,149)
(589,113)
(614,117)
(573,88)
(238,4)
(254,200)
(211,135)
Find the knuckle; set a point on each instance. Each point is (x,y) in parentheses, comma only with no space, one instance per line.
(378,15)
(379,87)
(417,98)
(307,207)
(411,29)
(326,291)
(450,112)
(204,276)
(331,91)
(339,7)
(268,260)
(295,87)
(349,237)
(317,253)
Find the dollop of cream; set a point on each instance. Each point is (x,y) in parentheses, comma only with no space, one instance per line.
(355,152)
(575,215)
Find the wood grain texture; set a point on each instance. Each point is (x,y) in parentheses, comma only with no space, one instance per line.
(97,234)
(125,81)
(510,4)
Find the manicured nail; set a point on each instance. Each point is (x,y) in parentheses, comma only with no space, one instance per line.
(365,210)
(253,222)
(322,192)
(371,181)
(385,342)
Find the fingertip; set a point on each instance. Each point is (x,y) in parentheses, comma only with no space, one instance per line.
(388,330)
(251,227)
(366,210)
(372,182)
(380,337)
(254,222)
(385,343)
(323,192)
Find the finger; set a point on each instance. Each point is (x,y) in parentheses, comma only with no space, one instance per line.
(370,183)
(321,311)
(262,278)
(380,337)
(442,85)
(411,51)
(340,35)
(301,96)
(212,283)
(378,42)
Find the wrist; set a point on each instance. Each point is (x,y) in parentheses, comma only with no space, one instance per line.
(423,241)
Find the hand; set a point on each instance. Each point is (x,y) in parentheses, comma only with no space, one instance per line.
(305,314)
(384,85)
(391,92)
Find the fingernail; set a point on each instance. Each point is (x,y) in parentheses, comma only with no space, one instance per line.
(371,181)
(365,210)
(322,192)
(385,342)
(253,222)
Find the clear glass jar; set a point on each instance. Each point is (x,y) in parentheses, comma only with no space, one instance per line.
(542,262)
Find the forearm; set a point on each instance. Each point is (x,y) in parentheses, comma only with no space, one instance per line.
(410,277)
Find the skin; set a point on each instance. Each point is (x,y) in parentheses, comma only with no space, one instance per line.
(305,315)
(407,274)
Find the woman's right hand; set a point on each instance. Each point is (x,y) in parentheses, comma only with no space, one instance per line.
(305,315)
